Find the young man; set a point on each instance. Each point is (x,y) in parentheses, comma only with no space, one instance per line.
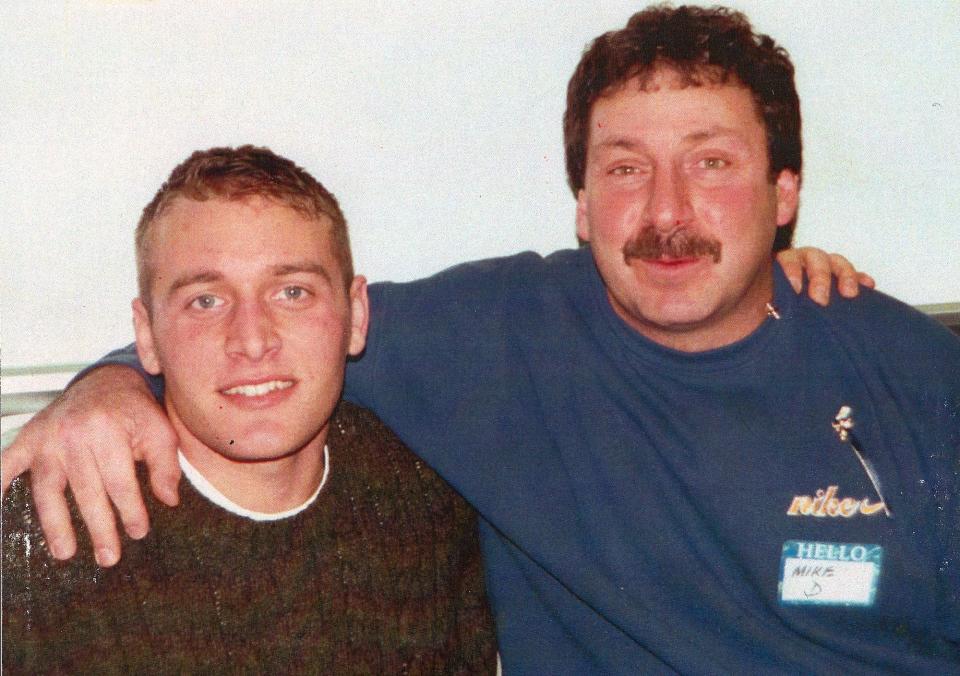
(309,538)
(655,429)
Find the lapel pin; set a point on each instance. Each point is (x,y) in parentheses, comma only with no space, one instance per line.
(843,425)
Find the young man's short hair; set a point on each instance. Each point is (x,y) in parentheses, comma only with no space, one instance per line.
(236,174)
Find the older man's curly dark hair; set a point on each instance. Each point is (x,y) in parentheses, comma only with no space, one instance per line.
(704,46)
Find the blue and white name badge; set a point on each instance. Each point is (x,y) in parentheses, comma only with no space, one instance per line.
(829,573)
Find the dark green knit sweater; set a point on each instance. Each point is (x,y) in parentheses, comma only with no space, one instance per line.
(381,575)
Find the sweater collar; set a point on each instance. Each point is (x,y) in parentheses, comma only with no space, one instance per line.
(214,495)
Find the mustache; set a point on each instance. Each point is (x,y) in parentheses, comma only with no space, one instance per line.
(651,244)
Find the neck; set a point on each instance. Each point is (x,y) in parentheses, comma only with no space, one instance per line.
(703,341)
(214,495)
(266,486)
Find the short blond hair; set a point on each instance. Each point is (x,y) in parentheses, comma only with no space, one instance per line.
(236,174)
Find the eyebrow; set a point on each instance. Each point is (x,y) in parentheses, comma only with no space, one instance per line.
(199,277)
(278,270)
(713,132)
(283,269)
(628,143)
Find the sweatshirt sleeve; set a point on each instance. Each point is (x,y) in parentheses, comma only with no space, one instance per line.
(429,339)
(445,363)
(125,356)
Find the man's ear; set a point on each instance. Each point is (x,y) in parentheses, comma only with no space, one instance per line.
(359,315)
(788,196)
(146,349)
(583,223)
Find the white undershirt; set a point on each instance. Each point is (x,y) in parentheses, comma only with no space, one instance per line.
(211,493)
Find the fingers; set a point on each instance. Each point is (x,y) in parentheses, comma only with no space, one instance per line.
(133,428)
(111,470)
(84,439)
(89,446)
(16,461)
(158,449)
(94,506)
(147,436)
(789,260)
(32,450)
(49,483)
(817,265)
(847,278)
(99,438)
(820,269)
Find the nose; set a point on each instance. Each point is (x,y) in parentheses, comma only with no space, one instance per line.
(252,332)
(668,204)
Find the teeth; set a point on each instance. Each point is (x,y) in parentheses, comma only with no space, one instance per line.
(261,389)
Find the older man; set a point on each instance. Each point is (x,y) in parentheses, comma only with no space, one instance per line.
(656,427)
(309,540)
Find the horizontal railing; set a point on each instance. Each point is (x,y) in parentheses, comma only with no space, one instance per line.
(39,385)
(947,314)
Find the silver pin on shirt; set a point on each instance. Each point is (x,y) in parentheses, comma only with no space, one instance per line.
(843,424)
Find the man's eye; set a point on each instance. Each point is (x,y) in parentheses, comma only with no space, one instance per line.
(206,302)
(713,163)
(292,293)
(624,170)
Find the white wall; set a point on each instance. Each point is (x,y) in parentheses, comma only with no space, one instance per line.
(436,124)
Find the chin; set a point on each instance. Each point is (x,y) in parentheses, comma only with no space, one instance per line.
(259,442)
(675,314)
(253,450)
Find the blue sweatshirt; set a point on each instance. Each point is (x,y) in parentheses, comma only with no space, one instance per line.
(649,510)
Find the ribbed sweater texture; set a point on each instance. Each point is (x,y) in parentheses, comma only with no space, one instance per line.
(381,575)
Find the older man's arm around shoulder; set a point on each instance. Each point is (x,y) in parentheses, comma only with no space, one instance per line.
(108,419)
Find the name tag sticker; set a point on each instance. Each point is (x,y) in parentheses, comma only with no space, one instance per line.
(829,573)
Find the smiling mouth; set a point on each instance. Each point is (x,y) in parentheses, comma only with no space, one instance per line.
(260,389)
(663,260)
